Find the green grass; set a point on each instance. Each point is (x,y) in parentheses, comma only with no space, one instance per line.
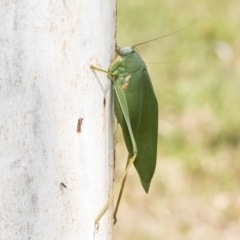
(198,171)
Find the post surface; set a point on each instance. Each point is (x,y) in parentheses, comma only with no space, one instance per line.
(56,119)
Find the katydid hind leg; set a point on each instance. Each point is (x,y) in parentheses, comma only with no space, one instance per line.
(123,108)
(114,191)
(120,195)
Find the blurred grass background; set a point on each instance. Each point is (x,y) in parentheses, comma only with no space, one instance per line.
(195,190)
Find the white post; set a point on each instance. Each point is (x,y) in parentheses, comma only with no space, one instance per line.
(56,118)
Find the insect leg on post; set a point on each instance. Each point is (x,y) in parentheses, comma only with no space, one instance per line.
(114,191)
(121,111)
(101,70)
(120,195)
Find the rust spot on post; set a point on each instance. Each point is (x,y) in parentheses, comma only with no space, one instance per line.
(79,125)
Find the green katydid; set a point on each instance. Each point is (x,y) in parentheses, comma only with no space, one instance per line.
(136,110)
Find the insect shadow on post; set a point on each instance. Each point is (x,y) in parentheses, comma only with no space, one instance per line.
(136,110)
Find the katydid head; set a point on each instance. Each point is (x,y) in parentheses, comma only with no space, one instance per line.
(125,51)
